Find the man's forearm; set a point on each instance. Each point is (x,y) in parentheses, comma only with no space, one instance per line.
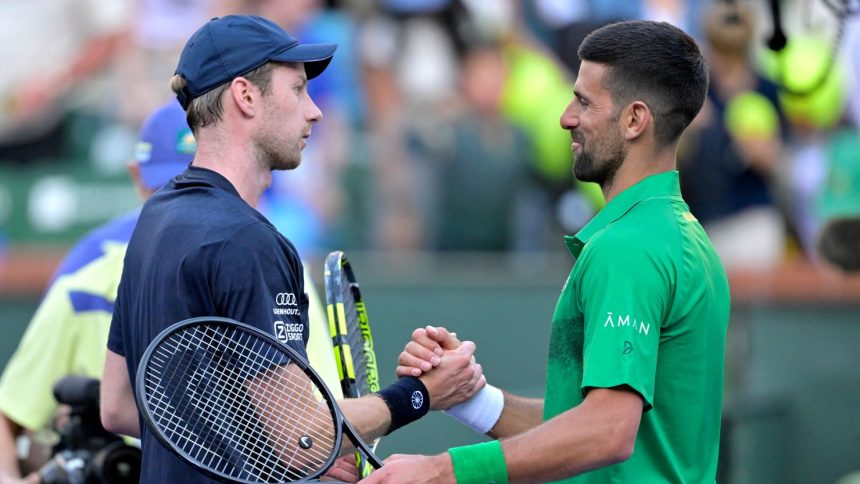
(118,408)
(599,432)
(368,415)
(518,415)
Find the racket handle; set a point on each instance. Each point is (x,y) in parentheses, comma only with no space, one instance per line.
(350,432)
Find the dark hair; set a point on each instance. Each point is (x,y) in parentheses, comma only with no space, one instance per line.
(653,62)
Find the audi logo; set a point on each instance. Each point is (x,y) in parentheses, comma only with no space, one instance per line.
(285,299)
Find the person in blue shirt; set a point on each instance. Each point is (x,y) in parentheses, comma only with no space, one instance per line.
(201,249)
(68,332)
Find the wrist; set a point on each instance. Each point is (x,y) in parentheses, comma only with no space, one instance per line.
(407,400)
(482,411)
(479,463)
(444,468)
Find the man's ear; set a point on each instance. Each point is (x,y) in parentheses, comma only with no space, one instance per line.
(637,119)
(244,95)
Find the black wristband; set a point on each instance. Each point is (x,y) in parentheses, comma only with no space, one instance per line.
(407,400)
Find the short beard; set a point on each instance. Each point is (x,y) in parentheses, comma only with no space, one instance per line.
(599,167)
(283,163)
(276,160)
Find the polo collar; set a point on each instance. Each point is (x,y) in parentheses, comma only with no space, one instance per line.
(661,185)
(196,175)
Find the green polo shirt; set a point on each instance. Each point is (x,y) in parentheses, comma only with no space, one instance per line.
(646,305)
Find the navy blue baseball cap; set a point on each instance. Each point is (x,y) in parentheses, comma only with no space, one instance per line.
(165,146)
(233,45)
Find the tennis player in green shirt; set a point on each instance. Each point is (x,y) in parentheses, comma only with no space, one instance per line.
(635,371)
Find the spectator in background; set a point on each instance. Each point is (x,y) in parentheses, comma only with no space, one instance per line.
(733,149)
(155,39)
(822,162)
(409,64)
(475,160)
(415,87)
(838,203)
(57,58)
(68,333)
(837,199)
(839,243)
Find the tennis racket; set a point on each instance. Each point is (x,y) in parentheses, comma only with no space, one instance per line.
(351,337)
(237,404)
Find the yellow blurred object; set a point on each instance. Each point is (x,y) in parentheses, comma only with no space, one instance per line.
(751,115)
(535,95)
(799,67)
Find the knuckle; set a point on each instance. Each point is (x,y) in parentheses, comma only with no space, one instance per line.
(416,349)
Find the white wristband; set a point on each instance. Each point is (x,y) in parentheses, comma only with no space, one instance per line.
(482,411)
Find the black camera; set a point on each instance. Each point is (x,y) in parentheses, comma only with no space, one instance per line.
(86,452)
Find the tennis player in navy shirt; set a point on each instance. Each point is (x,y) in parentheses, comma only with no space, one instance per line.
(201,248)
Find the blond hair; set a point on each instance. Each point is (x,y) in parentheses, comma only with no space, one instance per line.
(206,109)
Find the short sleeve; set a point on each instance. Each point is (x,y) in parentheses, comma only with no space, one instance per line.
(259,281)
(116,342)
(43,356)
(624,292)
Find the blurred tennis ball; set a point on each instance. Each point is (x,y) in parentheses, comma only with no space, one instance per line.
(751,115)
(799,67)
(535,95)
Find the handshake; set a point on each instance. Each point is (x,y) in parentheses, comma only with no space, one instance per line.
(444,364)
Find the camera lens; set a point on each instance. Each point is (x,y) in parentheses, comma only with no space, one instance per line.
(118,463)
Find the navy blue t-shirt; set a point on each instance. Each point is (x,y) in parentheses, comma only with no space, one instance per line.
(200,250)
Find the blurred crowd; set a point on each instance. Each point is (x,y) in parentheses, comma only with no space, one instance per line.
(440,128)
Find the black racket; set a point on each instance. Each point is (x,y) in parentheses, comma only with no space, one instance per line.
(237,404)
(351,336)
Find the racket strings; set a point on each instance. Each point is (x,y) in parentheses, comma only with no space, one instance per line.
(232,388)
(267,393)
(302,408)
(201,403)
(267,460)
(206,405)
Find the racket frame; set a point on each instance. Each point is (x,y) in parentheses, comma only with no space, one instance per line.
(338,271)
(341,424)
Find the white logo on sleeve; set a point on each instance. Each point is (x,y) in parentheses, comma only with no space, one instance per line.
(625,322)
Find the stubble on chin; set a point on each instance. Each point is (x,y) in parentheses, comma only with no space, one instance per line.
(279,161)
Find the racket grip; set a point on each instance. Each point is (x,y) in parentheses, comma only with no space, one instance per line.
(359,444)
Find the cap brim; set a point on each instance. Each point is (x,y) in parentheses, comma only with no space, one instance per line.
(315,57)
